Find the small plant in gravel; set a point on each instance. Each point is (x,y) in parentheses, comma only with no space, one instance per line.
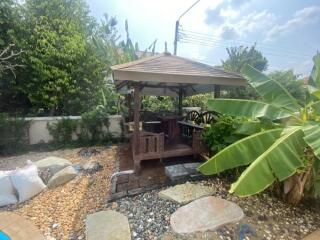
(287,153)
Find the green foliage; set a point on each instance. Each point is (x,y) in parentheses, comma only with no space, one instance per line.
(238,57)
(158,103)
(92,126)
(199,100)
(291,82)
(13,133)
(222,133)
(62,131)
(279,154)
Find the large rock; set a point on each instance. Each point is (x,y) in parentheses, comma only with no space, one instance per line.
(92,167)
(49,166)
(107,225)
(208,213)
(185,193)
(62,177)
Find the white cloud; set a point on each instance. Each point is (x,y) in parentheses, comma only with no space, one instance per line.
(302,17)
(229,33)
(255,21)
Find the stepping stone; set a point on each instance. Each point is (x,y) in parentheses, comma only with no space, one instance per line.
(313,236)
(204,214)
(107,225)
(176,172)
(18,228)
(197,236)
(192,169)
(185,193)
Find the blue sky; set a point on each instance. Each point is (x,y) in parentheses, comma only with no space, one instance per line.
(287,31)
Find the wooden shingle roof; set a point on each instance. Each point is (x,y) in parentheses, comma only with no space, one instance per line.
(167,71)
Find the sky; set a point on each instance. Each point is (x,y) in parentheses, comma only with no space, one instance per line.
(287,32)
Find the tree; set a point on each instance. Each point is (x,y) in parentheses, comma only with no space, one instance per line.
(238,57)
(63,71)
(10,58)
(289,152)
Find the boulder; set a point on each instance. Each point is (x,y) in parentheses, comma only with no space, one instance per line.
(205,214)
(92,167)
(107,225)
(185,193)
(49,166)
(62,177)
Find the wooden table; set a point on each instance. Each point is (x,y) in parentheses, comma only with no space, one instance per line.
(188,128)
(170,126)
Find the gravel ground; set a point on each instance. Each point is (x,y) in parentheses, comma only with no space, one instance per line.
(60,213)
(267,216)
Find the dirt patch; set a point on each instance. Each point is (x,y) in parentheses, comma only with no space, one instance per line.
(60,212)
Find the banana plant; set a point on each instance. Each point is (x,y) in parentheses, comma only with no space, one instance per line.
(287,153)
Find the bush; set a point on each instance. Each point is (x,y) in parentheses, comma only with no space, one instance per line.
(93,128)
(13,133)
(222,133)
(62,131)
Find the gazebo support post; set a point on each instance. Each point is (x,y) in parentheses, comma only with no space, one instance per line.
(136,128)
(217,91)
(180,101)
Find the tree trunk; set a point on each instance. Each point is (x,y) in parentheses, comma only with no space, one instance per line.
(294,187)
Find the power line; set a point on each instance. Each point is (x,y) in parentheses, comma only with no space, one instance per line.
(225,46)
(185,34)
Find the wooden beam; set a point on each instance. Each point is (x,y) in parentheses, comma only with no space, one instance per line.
(180,101)
(217,91)
(136,119)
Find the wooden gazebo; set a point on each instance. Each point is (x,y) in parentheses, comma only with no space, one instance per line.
(167,75)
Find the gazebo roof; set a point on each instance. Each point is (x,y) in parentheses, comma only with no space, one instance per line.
(165,74)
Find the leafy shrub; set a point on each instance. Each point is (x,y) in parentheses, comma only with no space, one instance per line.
(62,131)
(92,126)
(13,133)
(222,133)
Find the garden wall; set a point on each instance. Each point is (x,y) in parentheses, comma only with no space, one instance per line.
(39,133)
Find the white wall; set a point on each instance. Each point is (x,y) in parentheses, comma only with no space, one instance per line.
(39,133)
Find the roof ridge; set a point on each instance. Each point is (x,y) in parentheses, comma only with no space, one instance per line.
(135,62)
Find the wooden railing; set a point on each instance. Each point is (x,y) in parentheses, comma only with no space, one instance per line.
(197,144)
(151,143)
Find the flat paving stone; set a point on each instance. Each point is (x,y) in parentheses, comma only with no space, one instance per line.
(204,214)
(313,236)
(185,193)
(176,172)
(107,225)
(18,228)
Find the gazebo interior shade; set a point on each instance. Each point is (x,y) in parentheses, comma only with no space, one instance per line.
(166,75)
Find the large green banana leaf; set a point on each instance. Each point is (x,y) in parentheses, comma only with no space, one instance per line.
(247,108)
(312,137)
(315,73)
(249,128)
(271,91)
(279,161)
(241,153)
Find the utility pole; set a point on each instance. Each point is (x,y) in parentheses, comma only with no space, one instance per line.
(176,33)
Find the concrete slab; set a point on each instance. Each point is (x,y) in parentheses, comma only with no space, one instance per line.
(313,236)
(18,228)
(187,192)
(107,225)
